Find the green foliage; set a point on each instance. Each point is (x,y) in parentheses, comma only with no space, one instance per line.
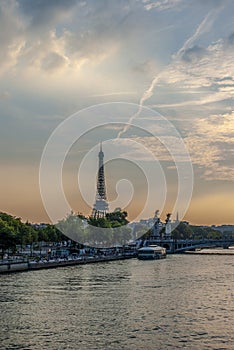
(7,236)
(49,233)
(185,231)
(117,216)
(118,232)
(121,235)
(13,232)
(205,233)
(99,236)
(102,231)
(100,222)
(72,226)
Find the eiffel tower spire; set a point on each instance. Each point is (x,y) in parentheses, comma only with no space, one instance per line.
(100,207)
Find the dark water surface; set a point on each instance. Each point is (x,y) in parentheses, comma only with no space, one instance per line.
(182,302)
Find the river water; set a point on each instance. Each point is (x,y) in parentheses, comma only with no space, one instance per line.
(182,302)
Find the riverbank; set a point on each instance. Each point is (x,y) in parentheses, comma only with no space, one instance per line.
(25,265)
(229,251)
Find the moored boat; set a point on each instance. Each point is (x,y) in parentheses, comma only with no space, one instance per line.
(151,252)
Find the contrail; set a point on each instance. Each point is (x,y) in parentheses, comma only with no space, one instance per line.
(203,26)
(147,94)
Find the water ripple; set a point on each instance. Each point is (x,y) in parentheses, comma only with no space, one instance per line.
(183,302)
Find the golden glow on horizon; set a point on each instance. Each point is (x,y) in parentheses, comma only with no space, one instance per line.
(20,196)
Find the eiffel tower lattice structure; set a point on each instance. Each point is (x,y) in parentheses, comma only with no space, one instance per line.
(100,207)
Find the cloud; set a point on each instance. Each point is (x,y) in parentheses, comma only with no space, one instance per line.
(161,5)
(148,68)
(60,56)
(11,34)
(67,33)
(207,71)
(231,39)
(44,13)
(181,69)
(53,61)
(115,93)
(203,27)
(82,47)
(211,144)
(159,149)
(5,95)
(194,54)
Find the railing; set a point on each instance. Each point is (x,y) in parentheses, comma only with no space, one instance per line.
(179,245)
(205,243)
(13,261)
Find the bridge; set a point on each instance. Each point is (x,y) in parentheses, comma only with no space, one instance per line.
(182,245)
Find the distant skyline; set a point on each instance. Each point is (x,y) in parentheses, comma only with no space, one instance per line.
(173,56)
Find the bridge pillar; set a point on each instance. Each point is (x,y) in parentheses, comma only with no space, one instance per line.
(168,227)
(225,246)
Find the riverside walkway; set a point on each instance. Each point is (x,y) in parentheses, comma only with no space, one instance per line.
(18,265)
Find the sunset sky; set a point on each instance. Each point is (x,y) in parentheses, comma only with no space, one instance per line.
(175,57)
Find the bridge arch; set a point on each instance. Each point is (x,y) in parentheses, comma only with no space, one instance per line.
(167,246)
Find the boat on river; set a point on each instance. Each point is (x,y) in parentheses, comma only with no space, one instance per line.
(151,252)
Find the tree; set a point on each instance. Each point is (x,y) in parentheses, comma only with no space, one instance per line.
(119,216)
(7,237)
(113,229)
(73,227)
(121,235)
(182,231)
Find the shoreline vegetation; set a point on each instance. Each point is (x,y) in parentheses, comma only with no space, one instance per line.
(19,237)
(35,246)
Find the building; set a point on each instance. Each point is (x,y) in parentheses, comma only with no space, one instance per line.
(100,207)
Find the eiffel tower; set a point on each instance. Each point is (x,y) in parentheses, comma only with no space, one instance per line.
(100,207)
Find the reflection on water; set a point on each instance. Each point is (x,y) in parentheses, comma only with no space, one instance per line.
(182,302)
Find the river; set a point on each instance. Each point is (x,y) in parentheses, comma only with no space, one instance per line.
(182,302)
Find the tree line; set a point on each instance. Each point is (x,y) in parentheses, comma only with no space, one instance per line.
(110,230)
(14,233)
(183,231)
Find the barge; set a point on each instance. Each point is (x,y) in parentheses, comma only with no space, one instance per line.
(151,252)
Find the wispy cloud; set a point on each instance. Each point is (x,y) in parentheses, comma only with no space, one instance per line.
(204,74)
(116,93)
(170,74)
(161,5)
(203,27)
(211,146)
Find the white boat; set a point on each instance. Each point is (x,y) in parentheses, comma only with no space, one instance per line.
(151,252)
